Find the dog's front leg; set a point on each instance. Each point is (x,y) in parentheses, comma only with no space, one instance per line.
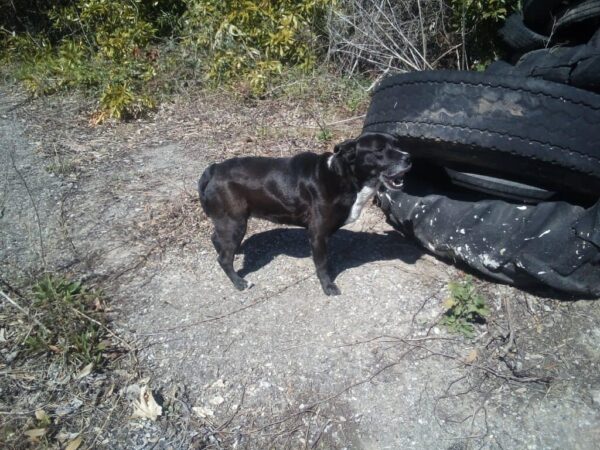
(318,243)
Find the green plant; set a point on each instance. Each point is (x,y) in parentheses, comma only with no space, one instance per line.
(70,322)
(102,46)
(465,307)
(478,22)
(253,39)
(325,135)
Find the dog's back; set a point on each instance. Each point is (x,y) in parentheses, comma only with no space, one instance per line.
(203,183)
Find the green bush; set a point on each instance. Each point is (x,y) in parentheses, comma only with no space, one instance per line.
(110,47)
(479,22)
(101,45)
(465,307)
(253,39)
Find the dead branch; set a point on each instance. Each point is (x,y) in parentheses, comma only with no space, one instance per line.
(388,36)
(24,311)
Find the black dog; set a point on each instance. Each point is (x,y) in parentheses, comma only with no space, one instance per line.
(318,192)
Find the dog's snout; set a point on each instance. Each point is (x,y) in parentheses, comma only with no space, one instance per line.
(404,160)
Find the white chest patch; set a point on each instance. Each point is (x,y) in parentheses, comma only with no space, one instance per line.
(330,161)
(365,194)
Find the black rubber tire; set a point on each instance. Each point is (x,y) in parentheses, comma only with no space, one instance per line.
(595,40)
(538,14)
(499,68)
(586,74)
(578,66)
(533,131)
(520,38)
(587,10)
(552,64)
(499,187)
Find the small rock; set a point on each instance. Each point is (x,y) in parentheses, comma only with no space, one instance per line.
(202,412)
(217,400)
(595,393)
(218,384)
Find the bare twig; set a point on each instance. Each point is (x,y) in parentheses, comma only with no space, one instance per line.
(35,209)
(511,333)
(24,311)
(104,327)
(388,36)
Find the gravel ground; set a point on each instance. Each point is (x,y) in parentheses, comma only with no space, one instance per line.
(280,365)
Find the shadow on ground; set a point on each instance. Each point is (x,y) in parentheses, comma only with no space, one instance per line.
(347,249)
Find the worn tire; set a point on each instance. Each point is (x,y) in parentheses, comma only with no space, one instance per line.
(578,66)
(499,68)
(587,74)
(538,14)
(533,131)
(520,38)
(595,40)
(587,10)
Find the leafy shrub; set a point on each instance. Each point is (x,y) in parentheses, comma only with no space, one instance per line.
(479,21)
(386,35)
(253,38)
(465,306)
(103,45)
(71,322)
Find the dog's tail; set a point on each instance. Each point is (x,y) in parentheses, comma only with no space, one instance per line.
(203,182)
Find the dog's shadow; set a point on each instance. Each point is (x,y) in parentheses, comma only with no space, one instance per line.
(346,249)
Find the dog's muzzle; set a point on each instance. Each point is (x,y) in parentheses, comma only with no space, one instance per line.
(393,178)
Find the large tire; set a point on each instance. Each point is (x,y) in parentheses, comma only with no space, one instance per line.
(520,38)
(587,74)
(595,40)
(533,131)
(583,12)
(578,66)
(538,14)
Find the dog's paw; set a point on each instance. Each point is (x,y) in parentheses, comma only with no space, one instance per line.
(331,289)
(242,285)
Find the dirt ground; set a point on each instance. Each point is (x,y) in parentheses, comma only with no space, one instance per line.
(280,365)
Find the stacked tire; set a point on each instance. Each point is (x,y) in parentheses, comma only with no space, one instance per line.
(528,131)
(517,148)
(542,135)
(556,41)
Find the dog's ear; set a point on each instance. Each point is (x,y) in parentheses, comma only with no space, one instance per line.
(375,141)
(349,145)
(344,155)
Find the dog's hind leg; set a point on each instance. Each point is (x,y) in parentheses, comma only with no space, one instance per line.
(227,238)
(318,244)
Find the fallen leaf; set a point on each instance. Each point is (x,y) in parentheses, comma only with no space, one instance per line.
(85,371)
(40,414)
(64,436)
(2,334)
(74,444)
(43,420)
(146,407)
(35,433)
(472,356)
(202,412)
(449,303)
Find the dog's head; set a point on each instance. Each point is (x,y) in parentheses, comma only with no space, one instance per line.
(372,158)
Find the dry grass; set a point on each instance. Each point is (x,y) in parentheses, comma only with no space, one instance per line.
(61,367)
